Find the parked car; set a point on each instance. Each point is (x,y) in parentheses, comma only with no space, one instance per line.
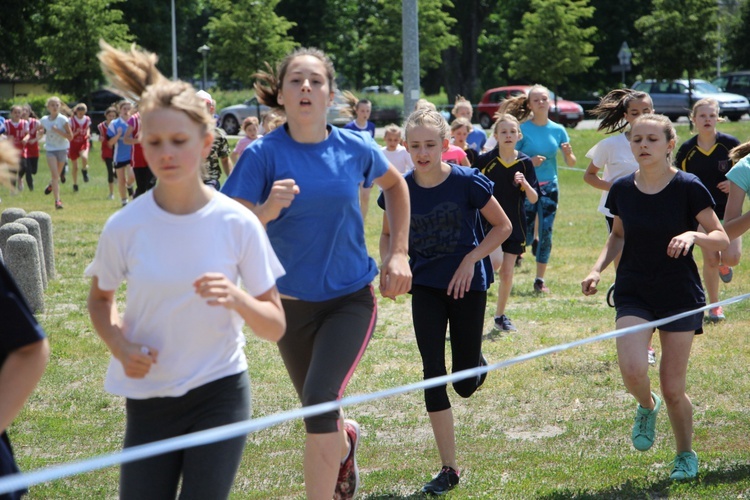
(671,98)
(381,89)
(737,82)
(231,118)
(567,113)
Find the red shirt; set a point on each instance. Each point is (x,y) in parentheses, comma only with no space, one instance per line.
(107,151)
(80,130)
(136,153)
(31,149)
(16,132)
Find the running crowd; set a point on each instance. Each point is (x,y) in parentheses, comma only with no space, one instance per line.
(288,223)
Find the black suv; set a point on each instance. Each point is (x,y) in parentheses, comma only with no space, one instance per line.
(737,82)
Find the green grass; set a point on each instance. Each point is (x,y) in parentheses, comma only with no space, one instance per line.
(556,427)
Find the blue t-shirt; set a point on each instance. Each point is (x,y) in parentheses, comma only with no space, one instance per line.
(543,141)
(122,150)
(2,125)
(369,128)
(477,138)
(740,174)
(444,227)
(320,237)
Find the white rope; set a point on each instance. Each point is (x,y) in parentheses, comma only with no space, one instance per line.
(20,481)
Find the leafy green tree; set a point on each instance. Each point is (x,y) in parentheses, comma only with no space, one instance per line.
(20,23)
(552,24)
(738,38)
(679,38)
(70,49)
(243,34)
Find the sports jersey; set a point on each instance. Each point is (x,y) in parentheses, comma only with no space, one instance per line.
(122,150)
(709,166)
(80,129)
(107,150)
(137,160)
(320,237)
(16,131)
(31,149)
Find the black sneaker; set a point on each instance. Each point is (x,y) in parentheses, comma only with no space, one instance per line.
(62,174)
(519,260)
(85,172)
(504,324)
(130,191)
(48,189)
(75,188)
(445,481)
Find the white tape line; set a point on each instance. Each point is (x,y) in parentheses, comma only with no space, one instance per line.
(20,481)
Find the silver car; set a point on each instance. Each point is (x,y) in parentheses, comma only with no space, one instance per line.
(231,118)
(671,98)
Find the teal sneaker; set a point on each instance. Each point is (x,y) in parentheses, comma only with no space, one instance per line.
(685,466)
(644,428)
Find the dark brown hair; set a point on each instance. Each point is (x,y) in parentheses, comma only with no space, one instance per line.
(613,107)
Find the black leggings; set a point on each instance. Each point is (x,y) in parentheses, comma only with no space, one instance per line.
(144,180)
(432,310)
(109,163)
(322,346)
(29,167)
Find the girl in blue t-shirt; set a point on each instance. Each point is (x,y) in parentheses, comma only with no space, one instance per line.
(656,212)
(450,268)
(303,182)
(361,109)
(735,222)
(541,139)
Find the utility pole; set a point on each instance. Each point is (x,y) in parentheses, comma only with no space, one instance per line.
(410,56)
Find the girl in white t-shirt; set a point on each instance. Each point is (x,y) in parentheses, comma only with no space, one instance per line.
(177,352)
(394,150)
(616,110)
(58,134)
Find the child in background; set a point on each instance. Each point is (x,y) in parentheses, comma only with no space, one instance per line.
(250,126)
(515,181)
(30,158)
(218,158)
(144,179)
(450,275)
(116,134)
(16,129)
(80,125)
(178,351)
(57,129)
(477,137)
(455,154)
(107,150)
(362,109)
(460,130)
(735,222)
(706,155)
(397,154)
(271,120)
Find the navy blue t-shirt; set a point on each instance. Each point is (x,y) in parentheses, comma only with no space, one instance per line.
(444,227)
(650,221)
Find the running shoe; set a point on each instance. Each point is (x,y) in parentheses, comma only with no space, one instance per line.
(75,188)
(644,428)
(111,197)
(651,356)
(519,260)
(611,296)
(62,174)
(446,480)
(58,205)
(85,172)
(130,191)
(504,324)
(715,314)
(48,189)
(725,273)
(685,466)
(348,480)
(539,286)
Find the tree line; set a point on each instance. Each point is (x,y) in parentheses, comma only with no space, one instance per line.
(465,46)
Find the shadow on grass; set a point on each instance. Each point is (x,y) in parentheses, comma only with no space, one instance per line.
(657,489)
(394,496)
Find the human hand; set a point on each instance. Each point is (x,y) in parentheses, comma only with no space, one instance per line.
(518,179)
(538,160)
(462,278)
(395,276)
(217,289)
(136,359)
(723,186)
(588,285)
(282,195)
(680,244)
(566,148)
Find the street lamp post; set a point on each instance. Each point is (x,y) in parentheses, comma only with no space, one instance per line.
(204,50)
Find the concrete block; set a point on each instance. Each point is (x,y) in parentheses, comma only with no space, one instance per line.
(8,230)
(22,261)
(33,227)
(45,225)
(11,214)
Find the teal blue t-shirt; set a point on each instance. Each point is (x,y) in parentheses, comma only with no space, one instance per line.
(543,141)
(740,174)
(320,237)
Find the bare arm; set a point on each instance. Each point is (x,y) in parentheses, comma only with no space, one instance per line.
(611,249)
(22,370)
(395,276)
(128,137)
(591,178)
(226,165)
(735,223)
(136,359)
(523,184)
(501,229)
(714,239)
(281,196)
(567,150)
(263,313)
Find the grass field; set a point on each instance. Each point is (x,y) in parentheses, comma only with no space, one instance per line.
(553,428)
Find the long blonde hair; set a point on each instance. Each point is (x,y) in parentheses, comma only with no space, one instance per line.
(9,160)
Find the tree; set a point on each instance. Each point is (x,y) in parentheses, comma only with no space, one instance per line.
(243,35)
(679,38)
(552,23)
(19,25)
(70,51)
(738,38)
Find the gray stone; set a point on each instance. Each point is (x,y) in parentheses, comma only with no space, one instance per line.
(33,227)
(22,260)
(8,230)
(48,244)
(11,214)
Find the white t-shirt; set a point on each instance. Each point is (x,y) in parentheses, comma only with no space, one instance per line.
(401,159)
(614,155)
(160,255)
(54,141)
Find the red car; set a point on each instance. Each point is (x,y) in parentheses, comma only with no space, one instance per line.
(566,113)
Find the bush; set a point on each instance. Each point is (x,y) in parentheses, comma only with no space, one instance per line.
(38,102)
